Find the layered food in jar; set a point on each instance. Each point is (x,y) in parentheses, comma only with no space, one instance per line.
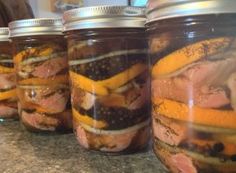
(42,78)
(41,65)
(8,99)
(108,68)
(109,77)
(193,96)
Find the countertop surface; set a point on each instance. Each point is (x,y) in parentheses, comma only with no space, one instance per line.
(25,152)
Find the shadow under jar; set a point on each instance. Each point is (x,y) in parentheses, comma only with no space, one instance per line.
(42,74)
(194,85)
(109,78)
(8,99)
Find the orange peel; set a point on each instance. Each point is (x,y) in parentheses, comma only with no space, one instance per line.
(194,114)
(189,54)
(8,94)
(102,87)
(87,120)
(6,70)
(32,51)
(122,78)
(60,79)
(87,84)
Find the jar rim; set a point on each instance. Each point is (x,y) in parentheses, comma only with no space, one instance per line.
(104,17)
(4,34)
(167,9)
(39,26)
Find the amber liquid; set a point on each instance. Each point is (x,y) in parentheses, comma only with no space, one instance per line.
(8,99)
(43,83)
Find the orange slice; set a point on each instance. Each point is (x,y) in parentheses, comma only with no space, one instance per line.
(19,57)
(230,149)
(7,94)
(33,106)
(43,110)
(87,84)
(122,78)
(6,69)
(87,120)
(27,105)
(32,51)
(60,79)
(189,54)
(194,114)
(102,87)
(113,100)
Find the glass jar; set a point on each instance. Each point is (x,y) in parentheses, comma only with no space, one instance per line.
(193,58)
(109,78)
(42,74)
(8,99)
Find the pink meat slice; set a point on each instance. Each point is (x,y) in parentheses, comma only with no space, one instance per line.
(117,143)
(39,121)
(7,81)
(82,98)
(56,102)
(182,163)
(7,111)
(184,91)
(109,142)
(168,131)
(200,85)
(82,137)
(232,86)
(50,99)
(176,162)
(50,68)
(140,98)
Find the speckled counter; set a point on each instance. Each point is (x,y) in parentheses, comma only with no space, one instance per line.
(24,152)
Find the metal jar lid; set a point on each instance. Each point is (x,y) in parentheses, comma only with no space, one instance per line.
(104,17)
(4,34)
(165,9)
(32,27)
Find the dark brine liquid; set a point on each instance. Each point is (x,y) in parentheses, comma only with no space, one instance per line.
(109,78)
(193,98)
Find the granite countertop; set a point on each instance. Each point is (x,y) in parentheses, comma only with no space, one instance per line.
(25,152)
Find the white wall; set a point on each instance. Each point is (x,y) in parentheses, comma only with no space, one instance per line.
(42,8)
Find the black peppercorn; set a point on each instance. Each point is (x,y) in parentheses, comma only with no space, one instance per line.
(218,147)
(233,158)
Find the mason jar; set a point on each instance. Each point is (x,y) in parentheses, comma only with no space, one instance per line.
(8,99)
(108,62)
(42,74)
(192,45)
